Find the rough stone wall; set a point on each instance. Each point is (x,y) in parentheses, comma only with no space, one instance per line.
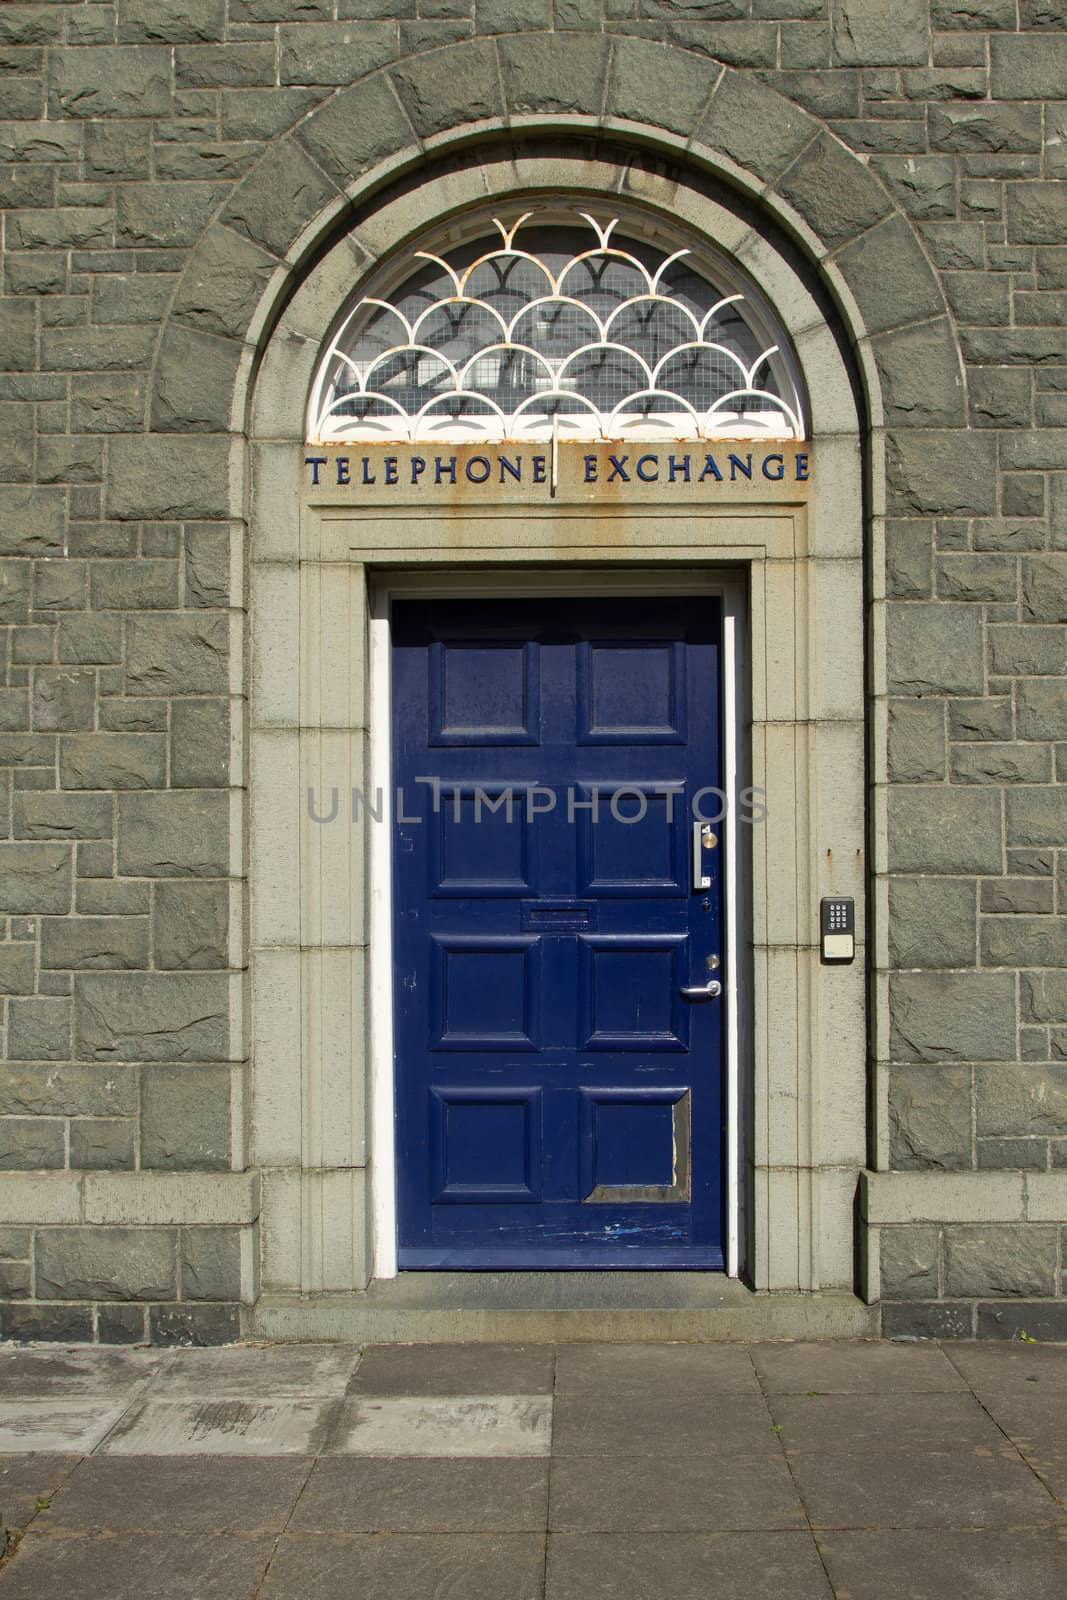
(125,132)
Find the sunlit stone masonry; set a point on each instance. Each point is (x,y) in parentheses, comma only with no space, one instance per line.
(533,729)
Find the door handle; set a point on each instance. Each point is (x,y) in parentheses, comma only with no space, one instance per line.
(702,991)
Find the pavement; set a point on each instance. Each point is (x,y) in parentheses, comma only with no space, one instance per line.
(860,1470)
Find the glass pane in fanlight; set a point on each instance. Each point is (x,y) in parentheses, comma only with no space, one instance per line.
(460,416)
(350,403)
(700,376)
(606,377)
(683,283)
(409,378)
(507,283)
(459,329)
(372,332)
(652,328)
(603,282)
(728,327)
(507,376)
(555,328)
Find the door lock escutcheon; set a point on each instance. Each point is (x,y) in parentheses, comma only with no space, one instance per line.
(704,838)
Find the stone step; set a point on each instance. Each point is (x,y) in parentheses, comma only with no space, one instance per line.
(559,1307)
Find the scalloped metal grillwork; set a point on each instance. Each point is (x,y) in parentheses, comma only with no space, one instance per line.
(575,336)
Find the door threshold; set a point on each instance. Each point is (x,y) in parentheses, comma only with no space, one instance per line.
(541,1261)
(559,1307)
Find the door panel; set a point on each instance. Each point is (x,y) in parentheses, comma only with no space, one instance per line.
(559,1100)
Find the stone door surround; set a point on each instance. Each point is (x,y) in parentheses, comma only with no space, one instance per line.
(315,551)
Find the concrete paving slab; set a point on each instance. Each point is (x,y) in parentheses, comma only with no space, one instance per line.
(1051,1467)
(914,1423)
(465,1566)
(676,1494)
(59,1427)
(1004,1364)
(671,1566)
(346,1495)
(653,1425)
(27,1479)
(278,1372)
(200,1494)
(461,1425)
(223,1427)
(933,1566)
(455,1369)
(901,1491)
(855,1367)
(709,1368)
(131,1566)
(66,1374)
(1032,1418)
(419,1490)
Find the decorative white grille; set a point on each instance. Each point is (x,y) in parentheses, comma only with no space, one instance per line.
(568,334)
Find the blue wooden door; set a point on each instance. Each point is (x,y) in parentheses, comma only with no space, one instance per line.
(559,1099)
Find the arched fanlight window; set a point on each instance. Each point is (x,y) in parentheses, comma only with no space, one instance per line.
(561,324)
